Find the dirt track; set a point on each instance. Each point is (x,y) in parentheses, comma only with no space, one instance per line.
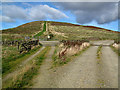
(43,78)
(82,72)
(110,65)
(21,65)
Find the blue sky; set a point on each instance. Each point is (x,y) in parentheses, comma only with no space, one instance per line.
(93,14)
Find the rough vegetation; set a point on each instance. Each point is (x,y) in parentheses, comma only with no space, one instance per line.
(66,49)
(66,31)
(25,30)
(28,28)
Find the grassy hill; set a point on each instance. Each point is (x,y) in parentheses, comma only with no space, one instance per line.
(28,29)
(60,31)
(70,31)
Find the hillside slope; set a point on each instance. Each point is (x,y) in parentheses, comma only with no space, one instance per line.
(60,31)
(28,28)
(20,32)
(69,31)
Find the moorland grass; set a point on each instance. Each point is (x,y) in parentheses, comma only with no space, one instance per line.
(71,32)
(79,32)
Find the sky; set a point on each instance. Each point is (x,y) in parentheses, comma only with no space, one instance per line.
(100,14)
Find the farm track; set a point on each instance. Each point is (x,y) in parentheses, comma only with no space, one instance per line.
(72,74)
(31,57)
(21,65)
(44,76)
(82,72)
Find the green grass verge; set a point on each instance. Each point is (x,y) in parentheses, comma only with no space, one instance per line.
(26,77)
(10,64)
(40,33)
(59,62)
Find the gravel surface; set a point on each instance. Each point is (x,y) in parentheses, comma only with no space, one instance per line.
(81,73)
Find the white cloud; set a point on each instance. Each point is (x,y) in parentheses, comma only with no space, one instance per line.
(14,12)
(38,12)
(44,11)
(6,19)
(85,12)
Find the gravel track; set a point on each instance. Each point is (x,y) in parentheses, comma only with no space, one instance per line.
(82,72)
